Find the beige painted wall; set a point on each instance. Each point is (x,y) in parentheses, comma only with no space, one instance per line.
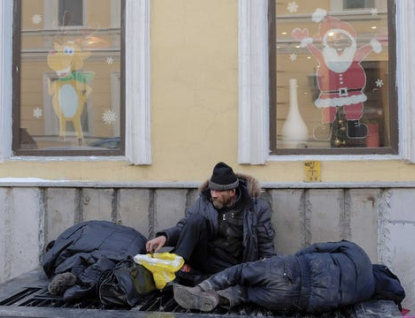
(194,110)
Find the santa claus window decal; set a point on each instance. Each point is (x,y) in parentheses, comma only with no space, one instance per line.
(332,77)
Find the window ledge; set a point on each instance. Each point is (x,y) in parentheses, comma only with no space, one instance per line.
(333,158)
(67,158)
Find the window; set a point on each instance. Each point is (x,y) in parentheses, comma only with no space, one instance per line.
(136,17)
(68,78)
(332,78)
(255,24)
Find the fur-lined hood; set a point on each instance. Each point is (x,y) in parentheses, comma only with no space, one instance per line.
(251,183)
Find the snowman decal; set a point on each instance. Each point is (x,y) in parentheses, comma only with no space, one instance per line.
(341,78)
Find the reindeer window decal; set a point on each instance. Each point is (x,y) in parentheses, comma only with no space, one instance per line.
(71,90)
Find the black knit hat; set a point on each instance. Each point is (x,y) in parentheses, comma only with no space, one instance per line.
(223,178)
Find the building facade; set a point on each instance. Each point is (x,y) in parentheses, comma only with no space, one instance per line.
(169,88)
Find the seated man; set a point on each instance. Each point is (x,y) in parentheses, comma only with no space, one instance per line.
(318,278)
(227,225)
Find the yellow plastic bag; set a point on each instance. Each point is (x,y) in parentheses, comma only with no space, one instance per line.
(162,265)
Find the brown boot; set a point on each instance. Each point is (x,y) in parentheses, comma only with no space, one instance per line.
(195,298)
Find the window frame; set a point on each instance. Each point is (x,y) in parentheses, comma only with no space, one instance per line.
(253,90)
(16,96)
(137,87)
(392,97)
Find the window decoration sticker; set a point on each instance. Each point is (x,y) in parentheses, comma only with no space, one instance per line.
(71,90)
(37,112)
(109,117)
(292,7)
(293,57)
(379,82)
(37,19)
(374,12)
(341,79)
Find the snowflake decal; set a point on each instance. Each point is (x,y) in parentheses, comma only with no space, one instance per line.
(293,57)
(110,60)
(37,19)
(374,12)
(379,83)
(292,7)
(37,112)
(109,117)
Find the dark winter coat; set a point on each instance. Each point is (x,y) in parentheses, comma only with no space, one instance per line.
(340,273)
(318,278)
(91,241)
(88,250)
(258,232)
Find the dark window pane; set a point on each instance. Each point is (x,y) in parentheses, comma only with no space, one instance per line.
(70,12)
(358,4)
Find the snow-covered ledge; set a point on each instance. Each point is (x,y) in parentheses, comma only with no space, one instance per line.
(253,143)
(137,112)
(253,146)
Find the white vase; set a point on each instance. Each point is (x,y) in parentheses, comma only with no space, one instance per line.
(294,131)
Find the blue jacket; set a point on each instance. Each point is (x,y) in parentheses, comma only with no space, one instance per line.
(318,278)
(339,274)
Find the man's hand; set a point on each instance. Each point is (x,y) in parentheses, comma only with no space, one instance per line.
(156,244)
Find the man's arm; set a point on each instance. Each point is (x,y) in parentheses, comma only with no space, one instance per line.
(170,236)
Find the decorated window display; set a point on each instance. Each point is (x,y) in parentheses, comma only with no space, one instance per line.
(68,67)
(332,77)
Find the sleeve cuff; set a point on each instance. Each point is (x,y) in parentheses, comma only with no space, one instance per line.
(306,41)
(376,46)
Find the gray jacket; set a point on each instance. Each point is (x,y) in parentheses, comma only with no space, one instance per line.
(258,232)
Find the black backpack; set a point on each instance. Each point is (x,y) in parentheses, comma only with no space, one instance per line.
(387,285)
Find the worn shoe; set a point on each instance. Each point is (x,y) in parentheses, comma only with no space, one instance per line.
(195,298)
(60,283)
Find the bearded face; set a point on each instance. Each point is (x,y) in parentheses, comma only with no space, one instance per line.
(221,199)
(339,50)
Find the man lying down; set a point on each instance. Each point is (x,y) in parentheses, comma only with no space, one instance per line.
(318,278)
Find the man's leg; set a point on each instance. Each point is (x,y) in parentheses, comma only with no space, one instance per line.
(194,234)
(227,285)
(193,244)
(273,283)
